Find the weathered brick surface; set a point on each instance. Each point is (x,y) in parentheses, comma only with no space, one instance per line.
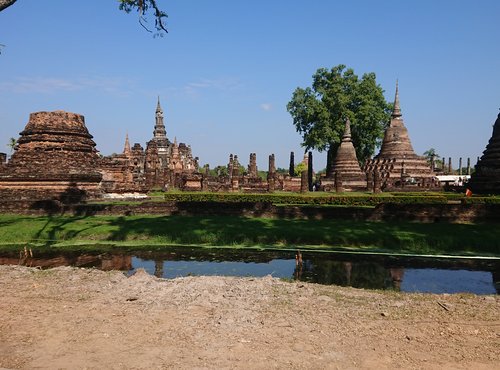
(346,166)
(397,162)
(55,154)
(486,178)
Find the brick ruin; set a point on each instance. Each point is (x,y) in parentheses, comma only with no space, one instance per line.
(162,165)
(486,178)
(347,174)
(238,179)
(55,158)
(397,166)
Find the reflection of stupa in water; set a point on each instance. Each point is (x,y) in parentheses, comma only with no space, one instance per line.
(397,277)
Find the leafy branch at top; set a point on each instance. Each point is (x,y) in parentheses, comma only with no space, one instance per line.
(143,6)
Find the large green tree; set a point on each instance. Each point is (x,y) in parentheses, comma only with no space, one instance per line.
(319,112)
(143,7)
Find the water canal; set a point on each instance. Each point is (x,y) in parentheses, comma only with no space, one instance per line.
(407,274)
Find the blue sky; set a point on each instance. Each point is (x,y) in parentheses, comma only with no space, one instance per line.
(227,69)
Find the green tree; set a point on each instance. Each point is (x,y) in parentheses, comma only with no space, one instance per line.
(12,144)
(219,171)
(319,112)
(281,171)
(431,154)
(299,168)
(143,7)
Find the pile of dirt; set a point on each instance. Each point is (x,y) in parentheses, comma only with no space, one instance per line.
(83,318)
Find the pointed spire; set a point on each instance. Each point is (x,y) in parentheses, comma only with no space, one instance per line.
(347,130)
(159,132)
(158,106)
(126,148)
(397,109)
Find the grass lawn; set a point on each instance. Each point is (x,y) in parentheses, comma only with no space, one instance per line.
(103,233)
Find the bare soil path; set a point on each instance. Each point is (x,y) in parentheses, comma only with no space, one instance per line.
(72,318)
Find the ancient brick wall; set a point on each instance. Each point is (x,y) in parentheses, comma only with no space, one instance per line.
(452,213)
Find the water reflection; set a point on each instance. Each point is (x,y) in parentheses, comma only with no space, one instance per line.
(371,272)
(106,262)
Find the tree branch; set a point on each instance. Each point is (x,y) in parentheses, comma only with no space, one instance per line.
(142,7)
(4,4)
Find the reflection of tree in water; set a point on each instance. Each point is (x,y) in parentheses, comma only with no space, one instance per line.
(368,275)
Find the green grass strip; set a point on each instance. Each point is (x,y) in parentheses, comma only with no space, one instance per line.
(144,232)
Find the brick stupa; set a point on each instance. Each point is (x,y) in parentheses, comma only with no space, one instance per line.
(346,166)
(397,162)
(55,157)
(486,178)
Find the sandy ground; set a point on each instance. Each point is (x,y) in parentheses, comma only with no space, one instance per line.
(89,319)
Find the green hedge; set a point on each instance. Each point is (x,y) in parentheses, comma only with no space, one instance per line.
(307,199)
(481,200)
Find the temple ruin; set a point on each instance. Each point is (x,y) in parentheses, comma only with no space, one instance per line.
(163,164)
(346,167)
(486,178)
(55,158)
(397,163)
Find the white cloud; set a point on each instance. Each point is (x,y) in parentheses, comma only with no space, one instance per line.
(223,84)
(47,85)
(266,106)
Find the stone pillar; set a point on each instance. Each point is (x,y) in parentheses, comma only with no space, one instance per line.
(303,182)
(460,166)
(235,174)
(449,165)
(444,165)
(468,166)
(230,166)
(235,178)
(404,176)
(252,166)
(338,182)
(310,171)
(207,169)
(433,164)
(196,164)
(236,166)
(271,174)
(291,169)
(235,184)
(377,186)
(3,158)
(369,180)
(204,182)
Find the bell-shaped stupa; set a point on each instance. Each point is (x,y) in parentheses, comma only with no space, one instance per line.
(397,162)
(55,155)
(345,164)
(486,178)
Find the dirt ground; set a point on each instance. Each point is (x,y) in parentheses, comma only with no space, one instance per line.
(74,318)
